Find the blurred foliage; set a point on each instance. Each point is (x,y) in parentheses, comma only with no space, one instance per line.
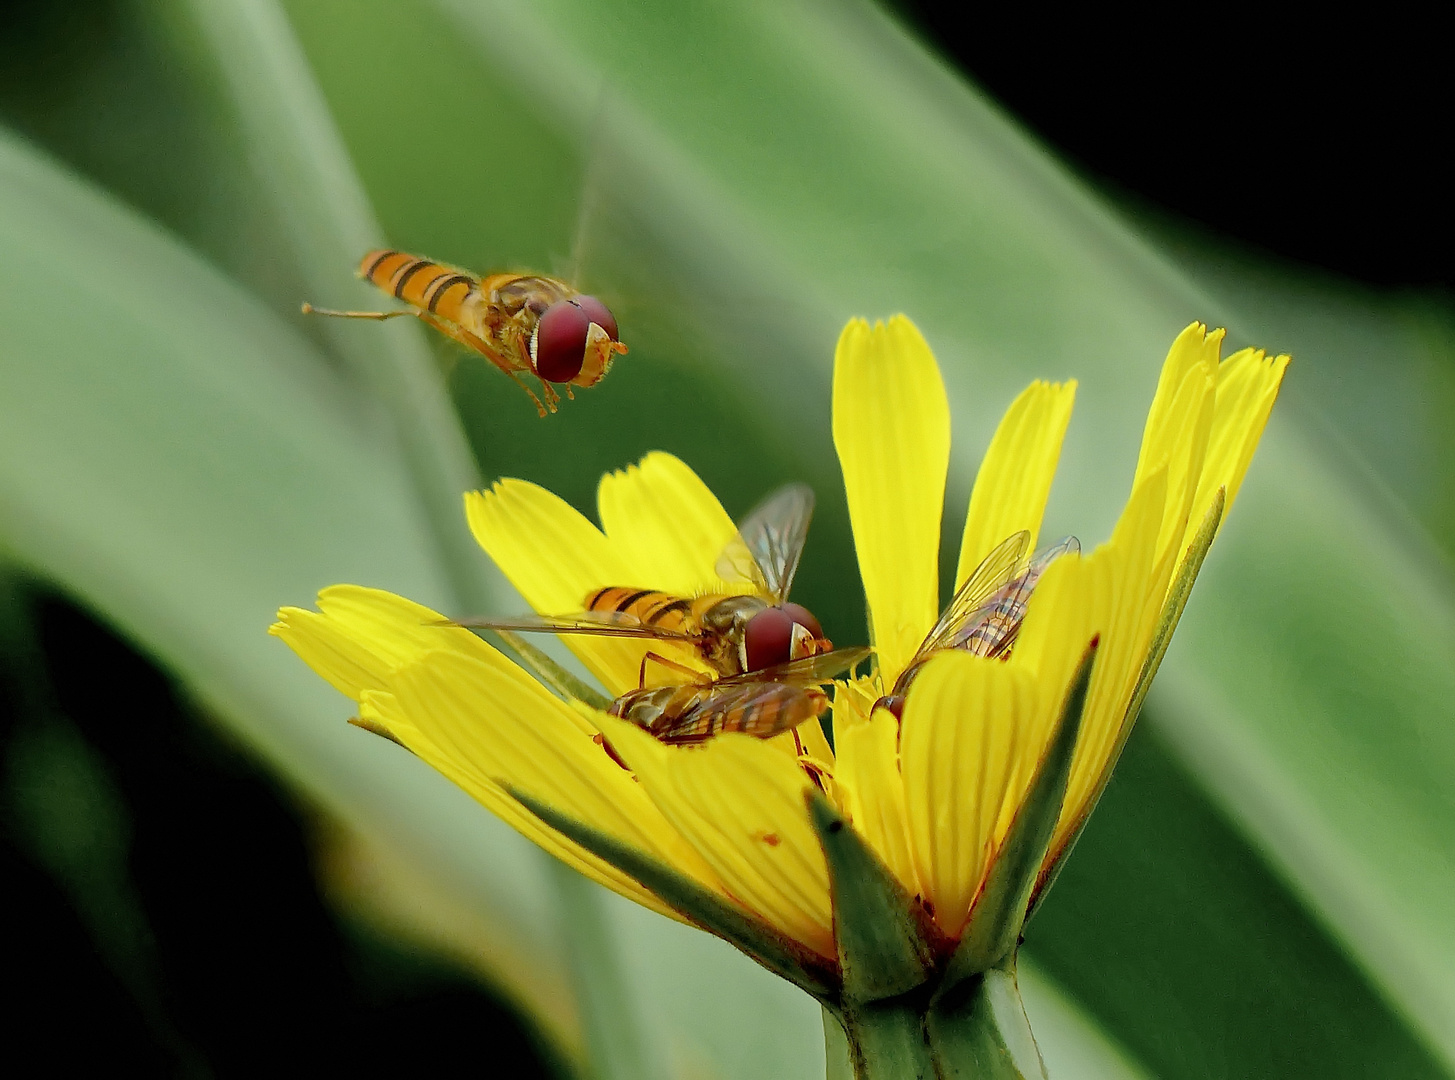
(184,930)
(187,452)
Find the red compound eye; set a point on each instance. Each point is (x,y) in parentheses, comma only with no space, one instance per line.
(560,341)
(804,618)
(768,638)
(597,312)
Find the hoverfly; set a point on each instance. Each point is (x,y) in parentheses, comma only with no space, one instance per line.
(731,634)
(521,323)
(763,703)
(984,616)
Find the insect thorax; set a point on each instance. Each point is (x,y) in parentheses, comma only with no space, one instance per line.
(726,624)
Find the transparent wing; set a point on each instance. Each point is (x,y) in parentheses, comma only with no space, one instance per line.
(763,709)
(770,540)
(806,671)
(998,624)
(975,598)
(594,177)
(601,623)
(1042,559)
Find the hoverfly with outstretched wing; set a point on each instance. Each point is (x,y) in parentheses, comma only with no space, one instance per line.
(768,654)
(984,616)
(522,323)
(732,634)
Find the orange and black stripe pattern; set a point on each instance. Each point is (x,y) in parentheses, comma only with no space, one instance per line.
(428,285)
(653,608)
(762,709)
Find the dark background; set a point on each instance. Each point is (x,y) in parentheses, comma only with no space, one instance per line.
(1320,142)
(188,937)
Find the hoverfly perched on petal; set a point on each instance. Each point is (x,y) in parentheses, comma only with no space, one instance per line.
(764,703)
(984,616)
(522,323)
(731,633)
(768,654)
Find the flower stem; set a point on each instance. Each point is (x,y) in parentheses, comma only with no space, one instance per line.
(977,1032)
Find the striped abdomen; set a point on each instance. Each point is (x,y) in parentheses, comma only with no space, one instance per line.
(692,713)
(424,283)
(664,610)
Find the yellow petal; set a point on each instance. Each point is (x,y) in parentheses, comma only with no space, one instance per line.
(666,524)
(1178,428)
(969,723)
(1015,476)
(485,723)
(867,771)
(372,645)
(1128,592)
(892,431)
(815,745)
(556,558)
(1247,385)
(1070,605)
(348,665)
(383,710)
(360,636)
(740,804)
(1194,350)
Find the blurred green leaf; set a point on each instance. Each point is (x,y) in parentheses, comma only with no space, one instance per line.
(184,463)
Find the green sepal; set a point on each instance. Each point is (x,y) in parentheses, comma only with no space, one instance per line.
(980,1031)
(999,913)
(1166,623)
(550,673)
(882,933)
(779,954)
(1173,607)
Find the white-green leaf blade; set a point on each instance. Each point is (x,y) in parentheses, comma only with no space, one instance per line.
(184,463)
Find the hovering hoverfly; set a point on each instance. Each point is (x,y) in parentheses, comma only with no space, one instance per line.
(521,323)
(763,703)
(984,617)
(731,634)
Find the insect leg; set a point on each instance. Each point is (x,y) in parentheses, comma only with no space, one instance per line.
(478,344)
(693,675)
(309,309)
(521,383)
(549,393)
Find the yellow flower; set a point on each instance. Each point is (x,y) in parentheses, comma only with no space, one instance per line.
(974,730)
(739,834)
